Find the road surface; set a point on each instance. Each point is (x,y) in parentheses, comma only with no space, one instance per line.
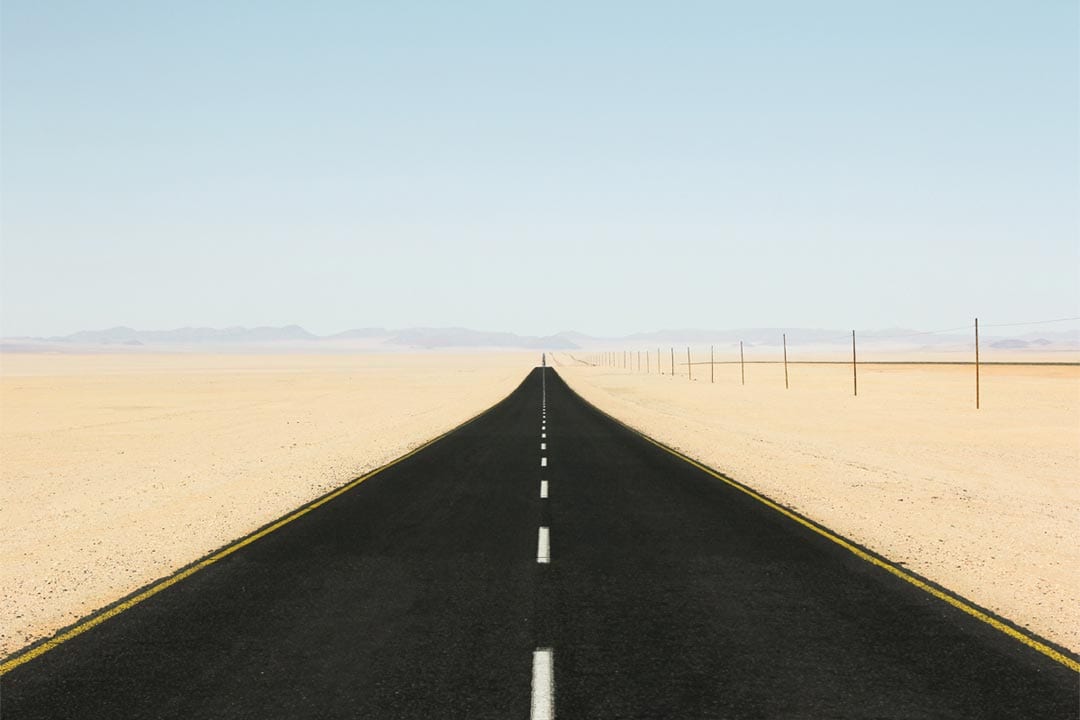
(542,560)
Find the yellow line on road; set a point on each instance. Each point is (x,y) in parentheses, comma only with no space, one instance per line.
(956,602)
(19,658)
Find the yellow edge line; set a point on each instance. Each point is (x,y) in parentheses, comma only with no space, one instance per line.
(862,554)
(95,620)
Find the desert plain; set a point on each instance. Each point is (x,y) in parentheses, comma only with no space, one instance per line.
(119,469)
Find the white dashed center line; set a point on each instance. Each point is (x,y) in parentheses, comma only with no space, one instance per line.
(543,685)
(543,546)
(543,675)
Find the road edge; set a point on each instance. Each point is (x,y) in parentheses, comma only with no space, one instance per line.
(43,645)
(1050,649)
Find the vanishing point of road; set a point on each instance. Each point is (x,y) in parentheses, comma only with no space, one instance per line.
(543,560)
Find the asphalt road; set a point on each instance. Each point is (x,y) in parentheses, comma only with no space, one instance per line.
(426,591)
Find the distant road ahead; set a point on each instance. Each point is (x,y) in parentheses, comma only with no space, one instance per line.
(542,560)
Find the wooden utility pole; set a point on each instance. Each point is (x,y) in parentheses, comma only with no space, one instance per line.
(742,363)
(672,362)
(648,370)
(977,363)
(712,365)
(689,372)
(854,365)
(786,386)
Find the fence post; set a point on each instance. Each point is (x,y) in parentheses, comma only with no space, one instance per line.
(977,363)
(854,365)
(712,365)
(742,363)
(786,386)
(689,371)
(672,362)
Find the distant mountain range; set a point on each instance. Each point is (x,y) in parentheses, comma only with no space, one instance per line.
(184,336)
(296,337)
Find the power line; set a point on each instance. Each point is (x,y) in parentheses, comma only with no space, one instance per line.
(1032,322)
(873,336)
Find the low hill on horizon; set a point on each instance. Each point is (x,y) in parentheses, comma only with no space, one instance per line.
(377,339)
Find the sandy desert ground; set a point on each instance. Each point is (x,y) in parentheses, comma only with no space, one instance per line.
(985,502)
(119,469)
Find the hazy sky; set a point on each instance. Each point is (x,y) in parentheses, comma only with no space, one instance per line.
(602,166)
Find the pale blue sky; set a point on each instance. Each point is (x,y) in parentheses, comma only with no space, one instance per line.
(608,167)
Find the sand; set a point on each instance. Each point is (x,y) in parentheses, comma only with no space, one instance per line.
(119,469)
(984,502)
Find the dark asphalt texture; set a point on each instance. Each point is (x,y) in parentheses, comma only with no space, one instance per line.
(417,595)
